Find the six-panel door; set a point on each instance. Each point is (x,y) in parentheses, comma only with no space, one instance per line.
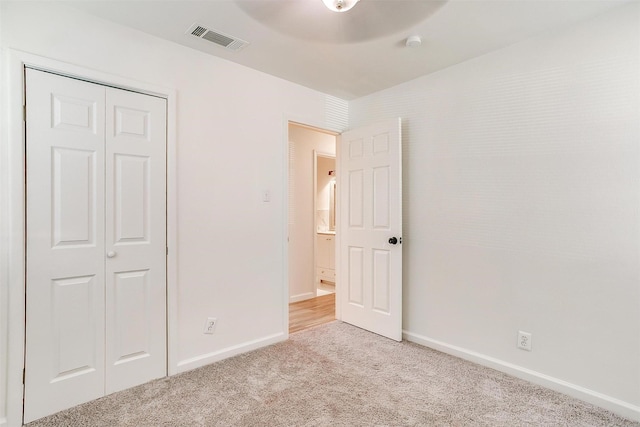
(89,313)
(370,174)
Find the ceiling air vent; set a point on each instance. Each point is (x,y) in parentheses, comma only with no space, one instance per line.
(224,40)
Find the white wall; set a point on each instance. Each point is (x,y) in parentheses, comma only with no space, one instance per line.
(522,196)
(231,130)
(302,229)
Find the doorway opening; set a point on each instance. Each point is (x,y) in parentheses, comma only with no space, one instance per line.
(312,194)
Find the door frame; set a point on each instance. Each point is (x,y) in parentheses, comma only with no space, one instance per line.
(320,127)
(12,219)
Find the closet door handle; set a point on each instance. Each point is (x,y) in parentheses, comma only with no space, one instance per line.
(111,254)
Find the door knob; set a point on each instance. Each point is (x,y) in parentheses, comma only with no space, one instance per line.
(111,254)
(395,240)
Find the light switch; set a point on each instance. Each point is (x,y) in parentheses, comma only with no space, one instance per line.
(266,196)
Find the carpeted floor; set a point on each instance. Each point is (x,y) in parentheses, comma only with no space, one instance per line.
(338,375)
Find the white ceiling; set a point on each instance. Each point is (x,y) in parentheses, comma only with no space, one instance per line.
(354,53)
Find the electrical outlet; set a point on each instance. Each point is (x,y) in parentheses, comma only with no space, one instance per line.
(524,340)
(210,326)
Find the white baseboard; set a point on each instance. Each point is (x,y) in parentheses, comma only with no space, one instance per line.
(208,358)
(612,404)
(302,297)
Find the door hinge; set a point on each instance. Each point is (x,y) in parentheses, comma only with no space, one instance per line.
(24,113)
(24,374)
(167,251)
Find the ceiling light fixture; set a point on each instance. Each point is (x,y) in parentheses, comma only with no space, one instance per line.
(340,5)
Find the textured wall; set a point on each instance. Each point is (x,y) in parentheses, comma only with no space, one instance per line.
(522,191)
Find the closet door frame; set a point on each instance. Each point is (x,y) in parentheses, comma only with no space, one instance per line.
(12,214)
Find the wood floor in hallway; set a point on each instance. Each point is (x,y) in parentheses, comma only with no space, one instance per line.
(312,312)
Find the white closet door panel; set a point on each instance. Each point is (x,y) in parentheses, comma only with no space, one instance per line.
(136,238)
(65,243)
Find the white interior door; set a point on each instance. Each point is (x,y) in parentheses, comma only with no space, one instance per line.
(65,317)
(96,241)
(135,239)
(370,228)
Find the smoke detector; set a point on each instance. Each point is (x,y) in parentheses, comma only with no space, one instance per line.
(414,41)
(221,39)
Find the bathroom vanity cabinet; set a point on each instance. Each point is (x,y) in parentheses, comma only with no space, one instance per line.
(325,257)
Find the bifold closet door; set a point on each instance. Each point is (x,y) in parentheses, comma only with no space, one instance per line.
(65,329)
(95,194)
(135,239)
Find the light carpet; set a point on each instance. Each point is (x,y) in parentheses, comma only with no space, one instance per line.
(338,375)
